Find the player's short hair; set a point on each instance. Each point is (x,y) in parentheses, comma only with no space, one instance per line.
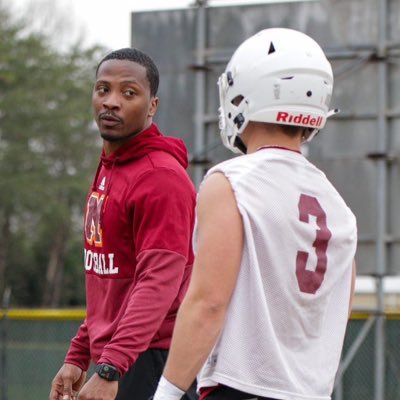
(289,130)
(137,56)
(292,130)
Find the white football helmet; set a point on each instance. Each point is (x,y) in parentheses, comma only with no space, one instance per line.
(279,76)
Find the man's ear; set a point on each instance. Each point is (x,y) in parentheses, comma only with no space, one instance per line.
(153,106)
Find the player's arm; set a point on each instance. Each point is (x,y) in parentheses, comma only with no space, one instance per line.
(216,267)
(353,285)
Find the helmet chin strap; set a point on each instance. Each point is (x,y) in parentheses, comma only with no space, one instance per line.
(240,145)
(315,131)
(333,112)
(311,135)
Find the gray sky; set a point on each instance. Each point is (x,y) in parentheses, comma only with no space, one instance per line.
(97,21)
(103,21)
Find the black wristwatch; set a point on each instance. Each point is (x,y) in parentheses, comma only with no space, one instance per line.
(108,372)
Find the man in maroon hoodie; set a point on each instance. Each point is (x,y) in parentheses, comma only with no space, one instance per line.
(138,227)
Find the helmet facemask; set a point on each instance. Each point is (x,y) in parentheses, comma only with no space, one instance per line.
(232,121)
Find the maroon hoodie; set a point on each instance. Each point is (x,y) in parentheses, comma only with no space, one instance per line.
(138,256)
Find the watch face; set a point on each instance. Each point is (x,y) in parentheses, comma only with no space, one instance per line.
(106,369)
(107,372)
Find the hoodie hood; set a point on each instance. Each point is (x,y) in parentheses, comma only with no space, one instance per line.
(145,142)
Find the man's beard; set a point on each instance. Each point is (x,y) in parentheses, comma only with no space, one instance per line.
(109,137)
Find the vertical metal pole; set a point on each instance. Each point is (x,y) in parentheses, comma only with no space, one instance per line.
(339,390)
(200,82)
(382,139)
(4,334)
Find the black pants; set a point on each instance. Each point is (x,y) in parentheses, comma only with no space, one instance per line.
(226,393)
(141,380)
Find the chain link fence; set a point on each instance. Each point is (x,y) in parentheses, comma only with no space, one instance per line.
(34,343)
(358,379)
(33,346)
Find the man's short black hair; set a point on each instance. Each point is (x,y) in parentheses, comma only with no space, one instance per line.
(139,57)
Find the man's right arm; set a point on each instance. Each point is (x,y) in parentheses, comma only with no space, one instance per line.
(79,350)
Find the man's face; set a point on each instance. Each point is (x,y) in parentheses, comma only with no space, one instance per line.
(122,104)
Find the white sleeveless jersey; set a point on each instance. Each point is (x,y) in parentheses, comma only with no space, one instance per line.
(286,321)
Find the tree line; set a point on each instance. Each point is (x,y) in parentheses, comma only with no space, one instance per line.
(49,149)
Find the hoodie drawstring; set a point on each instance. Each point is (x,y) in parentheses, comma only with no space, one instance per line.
(106,194)
(94,184)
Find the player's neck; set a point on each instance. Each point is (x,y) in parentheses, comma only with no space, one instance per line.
(257,140)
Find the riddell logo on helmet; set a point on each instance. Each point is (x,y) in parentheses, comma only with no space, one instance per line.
(298,119)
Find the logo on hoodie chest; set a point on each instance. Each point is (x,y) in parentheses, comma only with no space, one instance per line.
(97,261)
(102,184)
(93,231)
